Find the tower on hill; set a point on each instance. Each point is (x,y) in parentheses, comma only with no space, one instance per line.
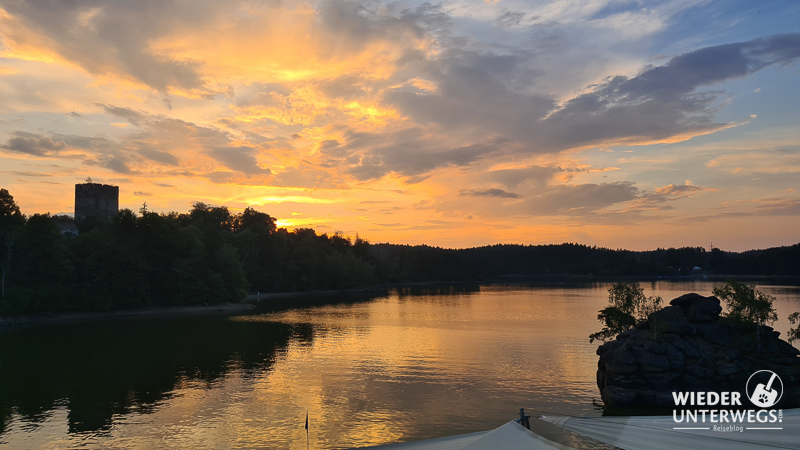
(96,200)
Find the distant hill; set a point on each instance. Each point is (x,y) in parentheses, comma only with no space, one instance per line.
(420,263)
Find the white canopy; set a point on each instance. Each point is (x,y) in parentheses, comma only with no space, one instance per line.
(659,432)
(511,436)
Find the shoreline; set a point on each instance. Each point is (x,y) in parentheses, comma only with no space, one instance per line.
(154,311)
(253,301)
(381,289)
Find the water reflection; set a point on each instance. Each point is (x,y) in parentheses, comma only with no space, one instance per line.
(104,368)
(415,364)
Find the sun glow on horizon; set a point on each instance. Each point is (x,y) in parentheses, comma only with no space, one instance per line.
(445,125)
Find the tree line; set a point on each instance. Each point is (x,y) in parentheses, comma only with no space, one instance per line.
(507,261)
(207,255)
(210,254)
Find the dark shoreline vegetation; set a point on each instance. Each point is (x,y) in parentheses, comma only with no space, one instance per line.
(210,255)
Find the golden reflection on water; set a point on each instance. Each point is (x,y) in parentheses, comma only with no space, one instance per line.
(399,368)
(385,365)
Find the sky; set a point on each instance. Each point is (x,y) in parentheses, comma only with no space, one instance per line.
(623,124)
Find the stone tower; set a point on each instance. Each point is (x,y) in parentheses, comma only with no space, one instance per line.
(96,200)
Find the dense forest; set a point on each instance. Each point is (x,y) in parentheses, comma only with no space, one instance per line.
(210,255)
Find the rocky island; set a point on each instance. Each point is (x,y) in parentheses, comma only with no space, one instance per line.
(687,346)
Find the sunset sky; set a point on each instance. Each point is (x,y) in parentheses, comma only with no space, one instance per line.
(626,124)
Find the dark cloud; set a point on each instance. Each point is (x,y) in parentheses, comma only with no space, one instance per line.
(498,193)
(157,138)
(159,156)
(665,101)
(535,177)
(356,24)
(332,149)
(39,145)
(778,207)
(142,194)
(222,177)
(28,174)
(413,159)
(241,159)
(664,194)
(90,143)
(160,138)
(132,116)
(510,19)
(487,93)
(483,93)
(409,152)
(115,37)
(580,199)
(115,163)
(34,144)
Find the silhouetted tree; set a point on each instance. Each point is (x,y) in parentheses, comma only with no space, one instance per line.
(254,220)
(628,305)
(11,220)
(794,333)
(44,265)
(746,304)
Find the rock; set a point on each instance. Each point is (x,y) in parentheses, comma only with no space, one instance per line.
(617,396)
(786,347)
(675,357)
(620,361)
(685,300)
(715,333)
(727,369)
(690,349)
(686,347)
(654,347)
(670,320)
(697,308)
(699,372)
(652,362)
(671,338)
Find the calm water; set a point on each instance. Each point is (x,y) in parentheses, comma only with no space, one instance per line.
(409,366)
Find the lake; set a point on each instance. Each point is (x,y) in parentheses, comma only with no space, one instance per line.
(416,364)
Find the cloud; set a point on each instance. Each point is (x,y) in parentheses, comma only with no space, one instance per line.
(778,207)
(487,93)
(409,152)
(158,156)
(580,199)
(115,163)
(155,145)
(498,193)
(101,37)
(238,158)
(668,193)
(510,19)
(34,144)
(536,177)
(664,103)
(28,173)
(132,116)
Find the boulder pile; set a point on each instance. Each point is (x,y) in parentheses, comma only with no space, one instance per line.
(687,347)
